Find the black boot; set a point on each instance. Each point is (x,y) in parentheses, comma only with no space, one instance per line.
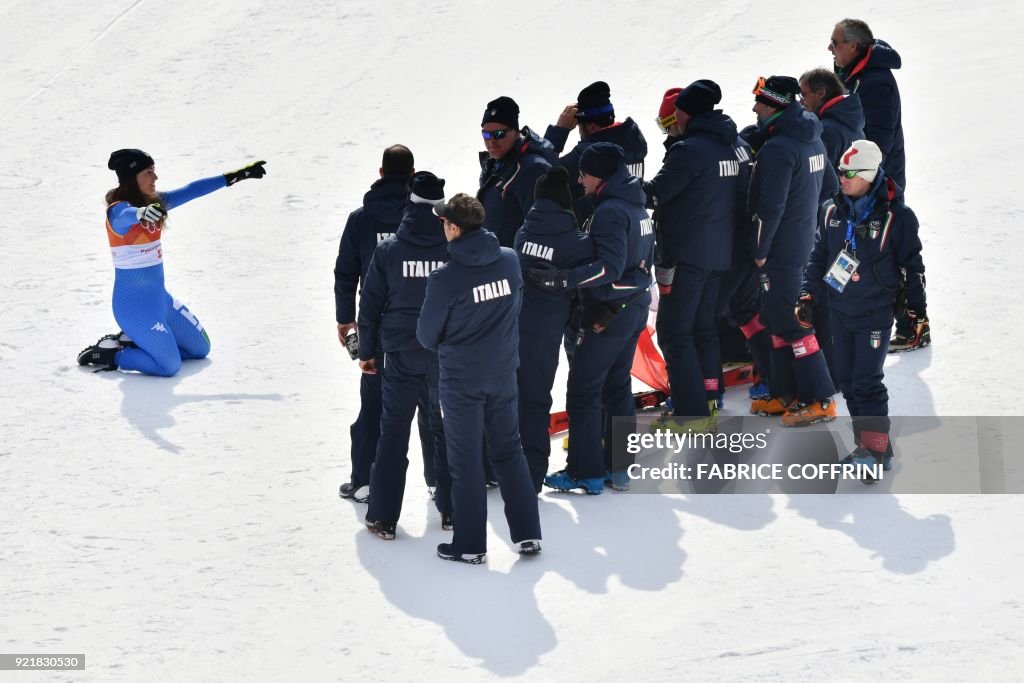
(101,354)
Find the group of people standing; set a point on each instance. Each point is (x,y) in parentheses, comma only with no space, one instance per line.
(465,303)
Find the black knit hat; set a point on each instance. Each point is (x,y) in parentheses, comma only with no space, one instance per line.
(502,110)
(601,159)
(776,91)
(426,188)
(700,97)
(594,101)
(127,163)
(554,185)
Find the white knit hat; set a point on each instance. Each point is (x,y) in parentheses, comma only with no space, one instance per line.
(863,156)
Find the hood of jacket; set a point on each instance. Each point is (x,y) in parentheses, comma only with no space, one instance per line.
(845,110)
(714,124)
(420,226)
(626,135)
(385,200)
(881,55)
(622,185)
(478,248)
(796,123)
(546,217)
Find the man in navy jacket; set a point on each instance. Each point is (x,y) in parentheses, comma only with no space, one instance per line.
(696,194)
(594,116)
(470,316)
(614,294)
(840,113)
(388,310)
(783,202)
(842,122)
(375,221)
(509,168)
(549,236)
(870,221)
(865,66)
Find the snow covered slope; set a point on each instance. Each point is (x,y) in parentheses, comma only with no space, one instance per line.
(189,528)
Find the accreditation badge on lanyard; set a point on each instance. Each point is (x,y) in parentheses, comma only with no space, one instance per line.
(844,268)
(841,271)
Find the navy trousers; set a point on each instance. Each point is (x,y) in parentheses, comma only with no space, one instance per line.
(804,375)
(486,408)
(600,388)
(538,363)
(688,336)
(365,431)
(823,328)
(406,374)
(859,348)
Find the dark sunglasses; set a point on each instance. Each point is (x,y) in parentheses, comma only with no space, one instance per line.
(495,134)
(852,173)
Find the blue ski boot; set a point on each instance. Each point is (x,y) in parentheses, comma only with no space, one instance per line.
(561,481)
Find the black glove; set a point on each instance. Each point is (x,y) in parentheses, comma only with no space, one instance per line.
(899,308)
(601,316)
(548,277)
(804,310)
(254,170)
(917,316)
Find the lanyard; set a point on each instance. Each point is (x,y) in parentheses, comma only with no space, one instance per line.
(851,223)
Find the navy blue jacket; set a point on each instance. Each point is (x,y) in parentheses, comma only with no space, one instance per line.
(842,122)
(506,184)
(871,78)
(885,230)
(549,235)
(397,281)
(785,188)
(623,237)
(626,135)
(697,192)
(471,312)
(373,222)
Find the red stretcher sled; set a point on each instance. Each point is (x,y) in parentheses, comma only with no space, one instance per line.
(649,367)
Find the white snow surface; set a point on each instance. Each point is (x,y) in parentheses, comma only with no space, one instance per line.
(190,529)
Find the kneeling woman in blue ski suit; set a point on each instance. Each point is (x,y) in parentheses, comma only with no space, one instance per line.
(163,332)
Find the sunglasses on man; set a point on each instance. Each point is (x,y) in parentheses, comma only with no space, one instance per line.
(852,173)
(495,134)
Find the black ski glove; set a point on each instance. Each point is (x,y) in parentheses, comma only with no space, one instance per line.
(254,170)
(548,277)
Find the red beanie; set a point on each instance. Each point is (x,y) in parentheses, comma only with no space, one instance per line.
(667,112)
